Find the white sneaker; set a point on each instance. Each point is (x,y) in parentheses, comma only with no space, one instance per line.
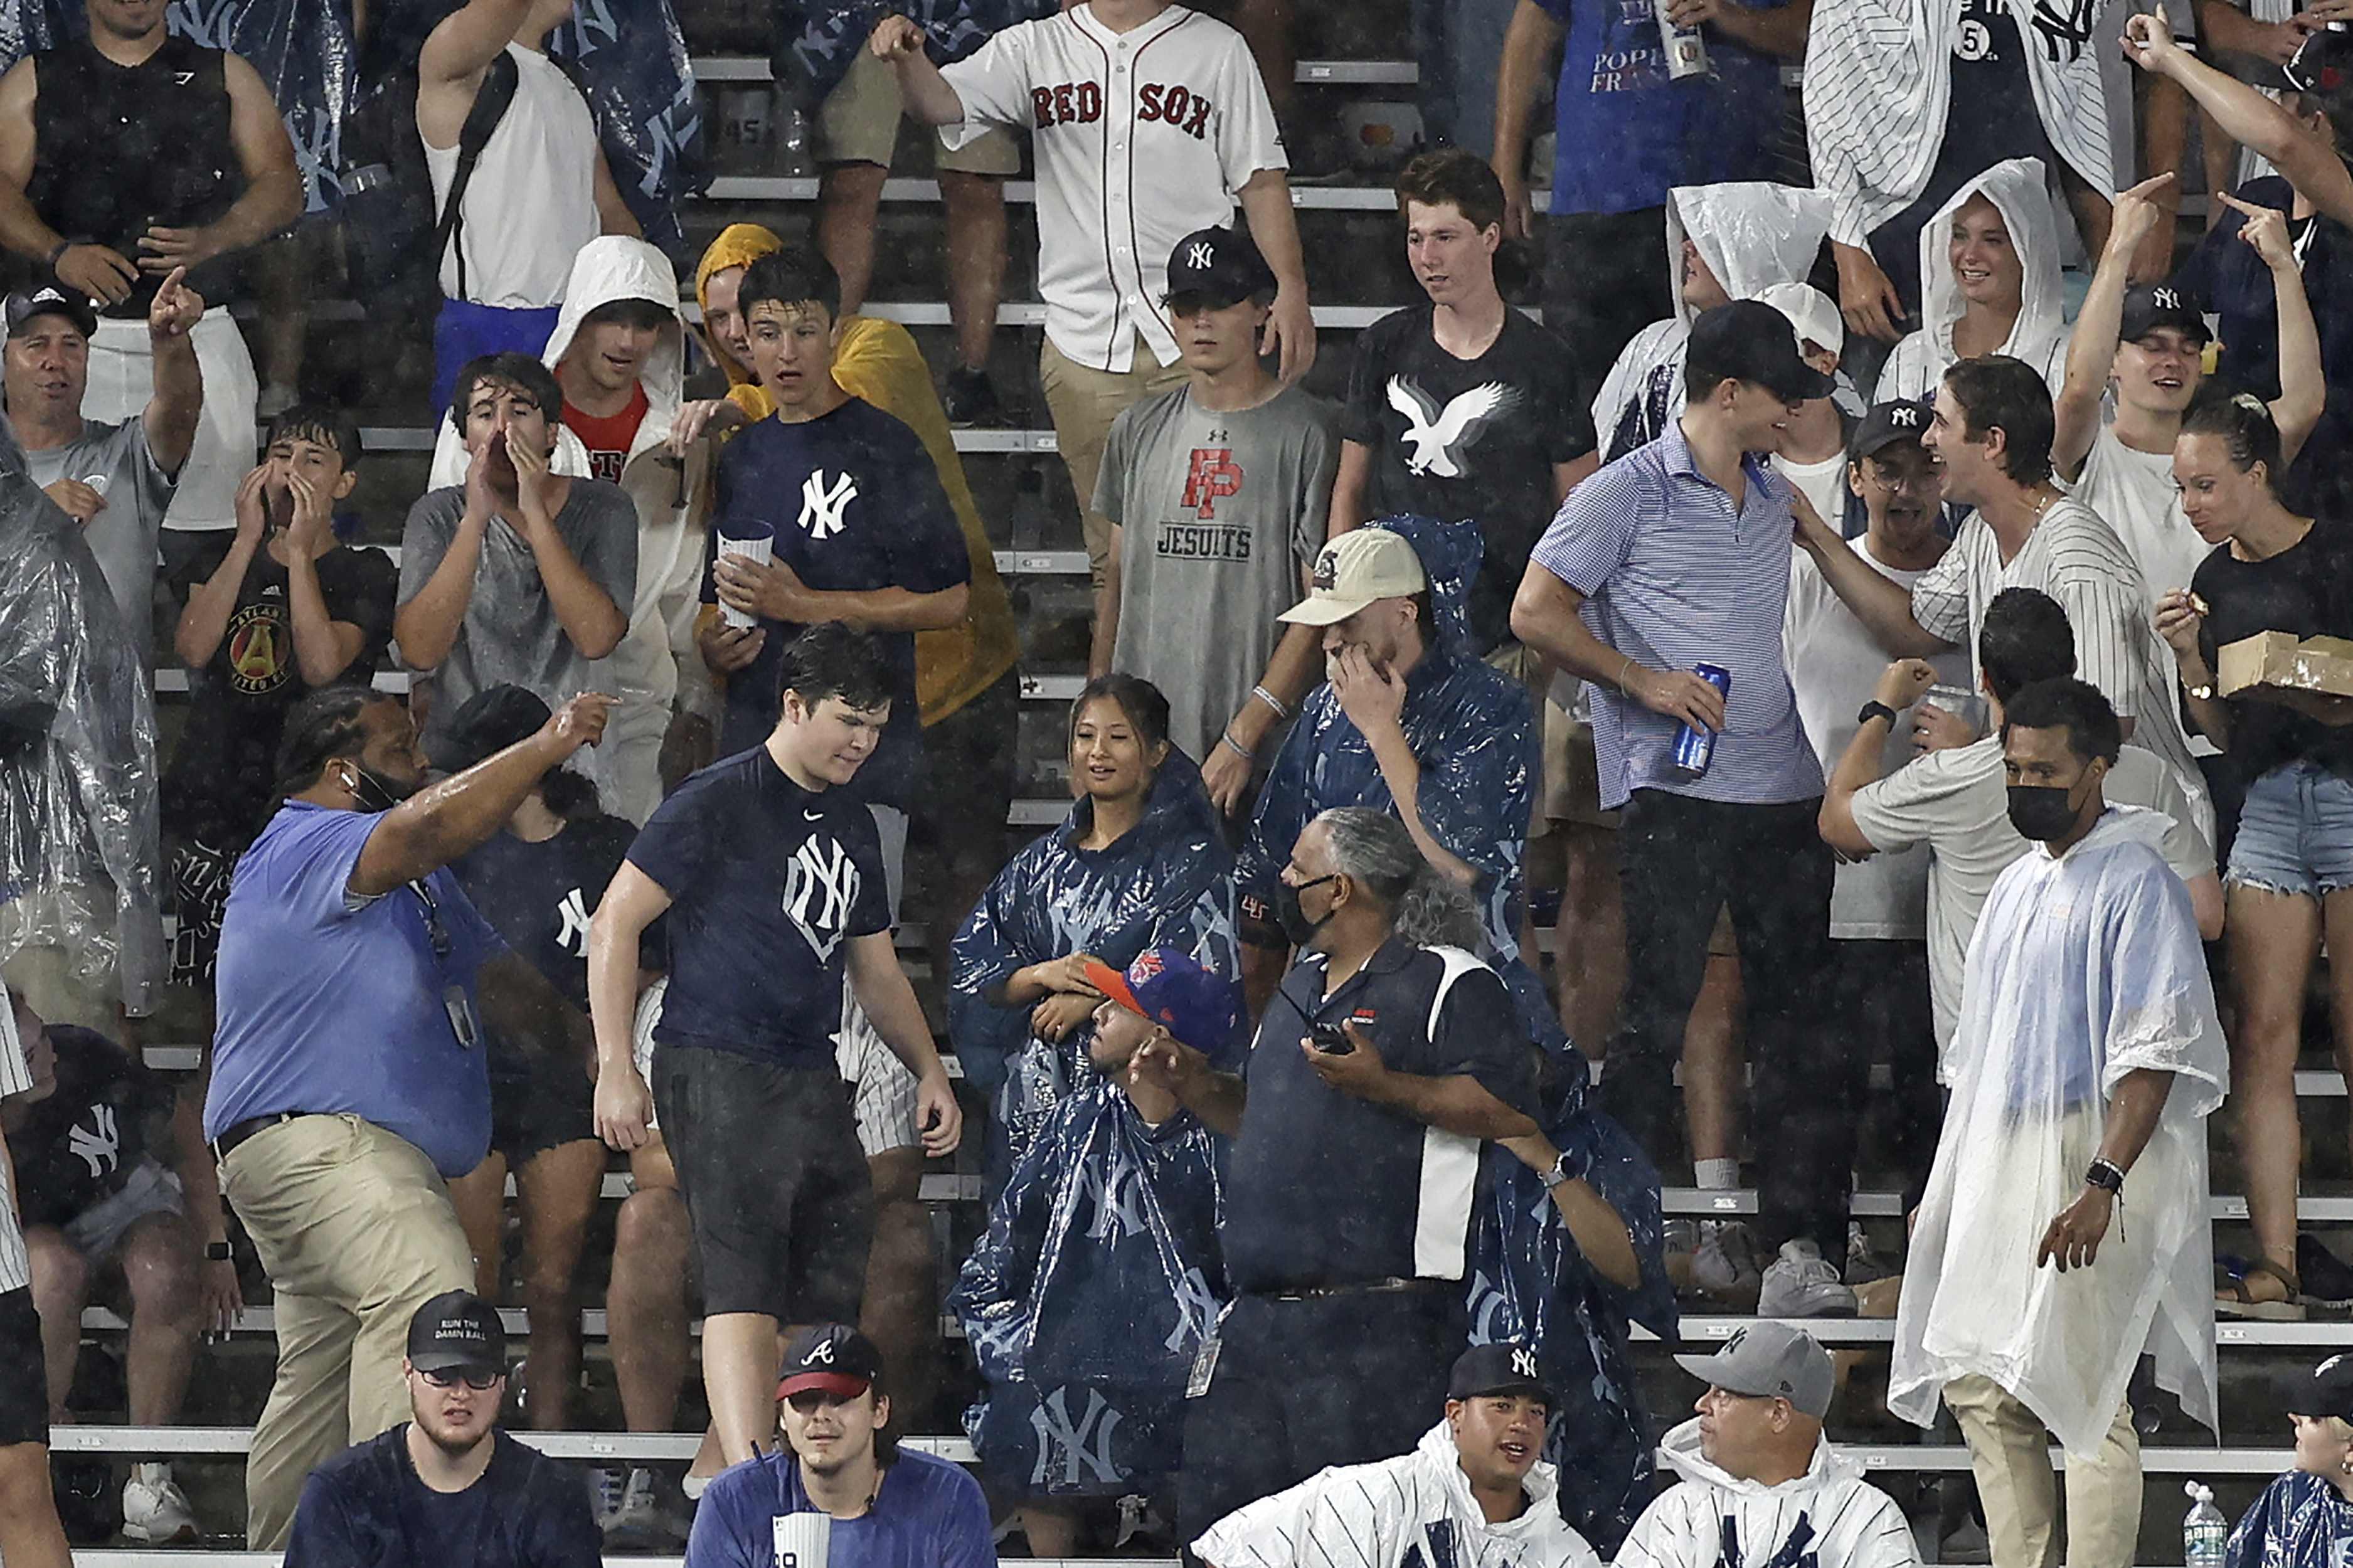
(605,1489)
(1726,1263)
(1802,1283)
(154,1510)
(1864,1266)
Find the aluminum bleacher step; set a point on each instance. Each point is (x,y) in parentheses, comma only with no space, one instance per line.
(1717,1202)
(1024,193)
(1316,73)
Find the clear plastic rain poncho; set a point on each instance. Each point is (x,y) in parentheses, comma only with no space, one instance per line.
(1167,883)
(2016,187)
(2083,968)
(1529,1282)
(2302,1520)
(78,817)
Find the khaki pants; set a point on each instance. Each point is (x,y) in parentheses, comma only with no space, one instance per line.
(2010,1453)
(356,1229)
(1083,403)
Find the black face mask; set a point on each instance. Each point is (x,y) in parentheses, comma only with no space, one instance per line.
(2041,812)
(1297,929)
(374,792)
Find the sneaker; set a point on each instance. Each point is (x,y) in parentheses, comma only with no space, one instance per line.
(1802,1283)
(969,397)
(1726,1263)
(641,1522)
(694,1486)
(1862,1264)
(604,1484)
(154,1510)
(2326,1279)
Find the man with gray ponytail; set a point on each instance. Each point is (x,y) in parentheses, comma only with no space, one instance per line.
(1385,1060)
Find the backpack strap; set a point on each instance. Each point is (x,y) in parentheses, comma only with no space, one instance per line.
(491,101)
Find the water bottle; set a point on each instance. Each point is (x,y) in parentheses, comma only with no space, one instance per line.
(2205,1533)
(1684,48)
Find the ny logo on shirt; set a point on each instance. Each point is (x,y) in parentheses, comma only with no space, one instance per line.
(1439,437)
(1214,474)
(2065,29)
(572,935)
(820,885)
(100,1144)
(1073,1446)
(823,504)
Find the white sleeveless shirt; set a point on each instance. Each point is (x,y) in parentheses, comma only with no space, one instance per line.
(531,203)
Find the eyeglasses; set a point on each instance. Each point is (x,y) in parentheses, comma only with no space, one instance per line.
(480,1381)
(1898,483)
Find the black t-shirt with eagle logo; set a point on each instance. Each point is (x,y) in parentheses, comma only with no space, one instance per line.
(1454,438)
(222,784)
(75,1147)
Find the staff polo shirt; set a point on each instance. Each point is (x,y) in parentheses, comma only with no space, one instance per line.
(1326,1189)
(1675,575)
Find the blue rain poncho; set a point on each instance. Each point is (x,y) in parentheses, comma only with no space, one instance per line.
(1089,1297)
(1529,1282)
(1167,883)
(2301,1521)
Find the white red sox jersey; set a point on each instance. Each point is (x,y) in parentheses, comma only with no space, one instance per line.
(1141,138)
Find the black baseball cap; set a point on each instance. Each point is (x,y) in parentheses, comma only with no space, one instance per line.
(1748,340)
(1216,266)
(2150,306)
(832,1358)
(1884,424)
(1507,1367)
(458,1331)
(51,302)
(487,723)
(2326,1390)
(2322,68)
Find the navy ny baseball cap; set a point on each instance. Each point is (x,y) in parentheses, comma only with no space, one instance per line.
(2149,306)
(831,1358)
(1216,268)
(2326,1390)
(1173,989)
(52,301)
(1884,424)
(1504,1368)
(458,1331)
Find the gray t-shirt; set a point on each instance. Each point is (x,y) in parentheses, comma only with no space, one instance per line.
(510,634)
(1218,513)
(115,461)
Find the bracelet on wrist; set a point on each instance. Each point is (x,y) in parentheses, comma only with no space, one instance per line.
(1244,752)
(1263,695)
(1623,671)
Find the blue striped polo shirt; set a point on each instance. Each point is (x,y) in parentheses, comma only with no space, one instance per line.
(1675,575)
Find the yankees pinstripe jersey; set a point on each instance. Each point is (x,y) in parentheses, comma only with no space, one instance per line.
(1830,1516)
(1141,138)
(16,1273)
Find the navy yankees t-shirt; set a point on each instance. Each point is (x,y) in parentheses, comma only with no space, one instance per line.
(855,505)
(767,881)
(539,896)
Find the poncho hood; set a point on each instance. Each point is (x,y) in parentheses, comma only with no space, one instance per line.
(1450,553)
(616,266)
(1751,234)
(738,244)
(1679,1452)
(2018,187)
(1540,1484)
(1175,810)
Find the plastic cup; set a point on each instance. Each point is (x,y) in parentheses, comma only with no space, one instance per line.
(802,1539)
(760,547)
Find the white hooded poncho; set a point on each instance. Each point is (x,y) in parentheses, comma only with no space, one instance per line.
(1380,1515)
(1752,235)
(1849,1522)
(2016,186)
(2083,968)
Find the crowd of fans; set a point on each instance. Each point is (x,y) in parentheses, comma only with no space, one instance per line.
(1838,730)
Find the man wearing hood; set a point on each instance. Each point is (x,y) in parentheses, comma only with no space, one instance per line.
(1761,1486)
(1989,280)
(1724,242)
(2087,1059)
(1474,1480)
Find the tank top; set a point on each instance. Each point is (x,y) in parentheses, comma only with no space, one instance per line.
(120,148)
(532,201)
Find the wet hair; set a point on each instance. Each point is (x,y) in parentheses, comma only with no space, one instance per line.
(2075,706)
(1999,393)
(1140,703)
(1454,178)
(2244,424)
(1425,908)
(632,312)
(321,728)
(796,275)
(570,794)
(2025,639)
(324,423)
(830,659)
(524,374)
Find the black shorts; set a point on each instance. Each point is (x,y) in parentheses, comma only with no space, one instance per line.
(24,1389)
(968,776)
(776,1185)
(538,1102)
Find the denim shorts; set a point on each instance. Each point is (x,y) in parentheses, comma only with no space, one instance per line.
(2296,833)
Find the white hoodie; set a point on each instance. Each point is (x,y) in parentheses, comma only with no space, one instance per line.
(2016,186)
(1752,235)
(1850,1522)
(1413,1510)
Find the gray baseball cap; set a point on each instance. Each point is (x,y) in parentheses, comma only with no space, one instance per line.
(1769,1361)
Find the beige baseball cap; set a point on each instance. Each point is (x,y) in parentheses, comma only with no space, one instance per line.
(1360,566)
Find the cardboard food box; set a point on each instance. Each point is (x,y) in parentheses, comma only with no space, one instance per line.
(2277,659)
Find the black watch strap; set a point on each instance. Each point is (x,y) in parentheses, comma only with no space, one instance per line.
(2107,1175)
(1875,709)
(216,1251)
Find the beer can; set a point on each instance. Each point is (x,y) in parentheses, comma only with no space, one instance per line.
(1695,747)
(1684,50)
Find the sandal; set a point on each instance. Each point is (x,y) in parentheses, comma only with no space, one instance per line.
(2234,1300)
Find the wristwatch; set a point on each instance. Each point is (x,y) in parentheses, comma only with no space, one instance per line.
(216,1252)
(1875,709)
(2204,693)
(1558,1173)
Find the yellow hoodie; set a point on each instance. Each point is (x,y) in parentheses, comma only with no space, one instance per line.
(877,361)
